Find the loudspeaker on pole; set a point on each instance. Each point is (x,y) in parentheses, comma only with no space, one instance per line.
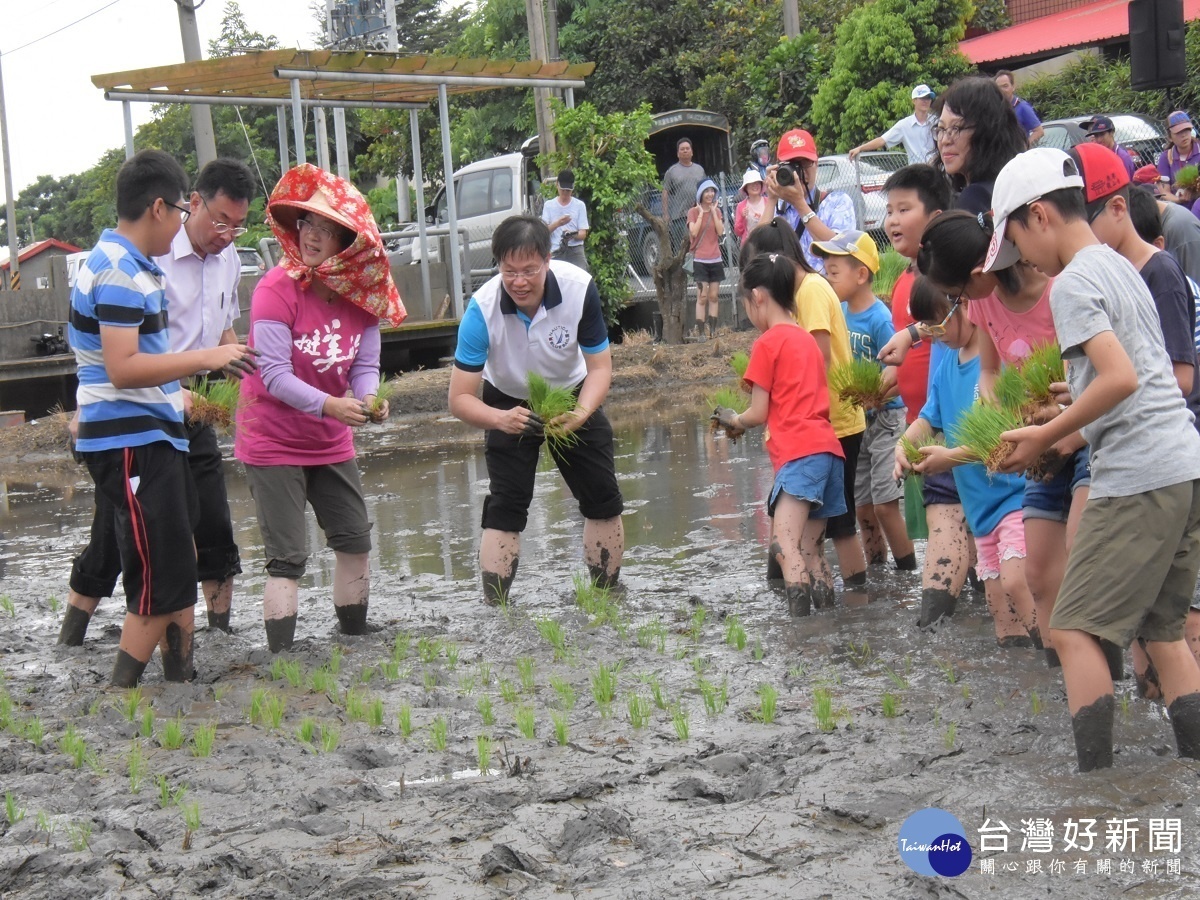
(1157,57)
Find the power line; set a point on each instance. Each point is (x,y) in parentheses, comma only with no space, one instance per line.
(63,28)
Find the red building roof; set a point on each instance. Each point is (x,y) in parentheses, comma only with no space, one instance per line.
(1095,23)
(41,246)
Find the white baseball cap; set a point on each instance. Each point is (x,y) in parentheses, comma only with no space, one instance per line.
(1027,177)
(922,90)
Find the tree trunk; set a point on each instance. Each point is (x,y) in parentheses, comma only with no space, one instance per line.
(670,281)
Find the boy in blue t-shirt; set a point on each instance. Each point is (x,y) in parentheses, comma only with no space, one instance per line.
(851,261)
(131,431)
(992,502)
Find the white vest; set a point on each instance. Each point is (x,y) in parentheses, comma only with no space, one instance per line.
(549,347)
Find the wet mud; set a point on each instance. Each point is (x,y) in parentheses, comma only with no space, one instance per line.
(614,746)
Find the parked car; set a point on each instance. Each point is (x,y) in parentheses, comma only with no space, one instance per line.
(863,180)
(1142,136)
(252,262)
(643,242)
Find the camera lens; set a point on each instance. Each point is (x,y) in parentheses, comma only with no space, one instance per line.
(785,175)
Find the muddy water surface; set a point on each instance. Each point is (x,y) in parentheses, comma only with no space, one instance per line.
(705,797)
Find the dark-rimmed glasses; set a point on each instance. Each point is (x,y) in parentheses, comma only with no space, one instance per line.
(184,212)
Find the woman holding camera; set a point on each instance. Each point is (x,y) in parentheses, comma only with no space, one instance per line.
(815,214)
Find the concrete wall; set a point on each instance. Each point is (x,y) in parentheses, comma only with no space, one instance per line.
(26,314)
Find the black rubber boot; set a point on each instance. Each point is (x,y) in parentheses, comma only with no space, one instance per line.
(855,581)
(1015,642)
(177,660)
(712,327)
(127,671)
(936,604)
(280,633)
(1052,660)
(775,567)
(1185,720)
(823,596)
(497,586)
(74,626)
(1115,657)
(1035,635)
(352,619)
(602,579)
(799,599)
(1148,683)
(975,582)
(219,621)
(907,563)
(1093,728)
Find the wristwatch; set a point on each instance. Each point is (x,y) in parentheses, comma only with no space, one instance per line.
(807,217)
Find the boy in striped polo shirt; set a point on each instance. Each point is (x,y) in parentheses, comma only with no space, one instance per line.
(131,431)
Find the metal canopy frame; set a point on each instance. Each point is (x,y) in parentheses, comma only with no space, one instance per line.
(321,79)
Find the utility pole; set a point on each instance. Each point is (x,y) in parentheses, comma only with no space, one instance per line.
(791,19)
(10,220)
(202,128)
(536,18)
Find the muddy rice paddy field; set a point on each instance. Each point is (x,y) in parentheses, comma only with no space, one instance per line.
(680,738)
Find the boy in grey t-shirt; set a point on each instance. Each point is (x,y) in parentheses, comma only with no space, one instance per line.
(1133,566)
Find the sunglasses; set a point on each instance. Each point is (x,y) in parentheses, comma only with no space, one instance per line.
(939,330)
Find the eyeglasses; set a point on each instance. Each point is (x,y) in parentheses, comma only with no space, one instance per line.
(523,275)
(220,227)
(939,330)
(948,133)
(184,212)
(322,230)
(1094,214)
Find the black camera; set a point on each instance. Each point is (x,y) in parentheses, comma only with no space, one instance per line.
(787,174)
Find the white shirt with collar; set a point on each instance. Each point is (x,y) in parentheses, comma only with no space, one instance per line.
(202,298)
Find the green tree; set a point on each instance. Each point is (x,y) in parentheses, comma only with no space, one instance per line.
(882,49)
(612,167)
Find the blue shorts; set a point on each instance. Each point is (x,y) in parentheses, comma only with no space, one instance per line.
(819,479)
(1052,499)
(940,488)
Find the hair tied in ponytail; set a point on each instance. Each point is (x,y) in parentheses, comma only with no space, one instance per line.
(774,258)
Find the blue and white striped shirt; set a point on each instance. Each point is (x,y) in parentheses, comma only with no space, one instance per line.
(118,286)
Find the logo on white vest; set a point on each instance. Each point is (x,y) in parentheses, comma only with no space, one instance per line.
(559,337)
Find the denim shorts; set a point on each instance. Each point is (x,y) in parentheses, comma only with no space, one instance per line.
(1052,499)
(940,488)
(817,479)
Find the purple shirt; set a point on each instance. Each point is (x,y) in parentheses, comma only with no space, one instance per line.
(1169,162)
(1130,167)
(1026,117)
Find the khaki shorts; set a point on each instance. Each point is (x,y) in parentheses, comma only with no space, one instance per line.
(1132,570)
(873,480)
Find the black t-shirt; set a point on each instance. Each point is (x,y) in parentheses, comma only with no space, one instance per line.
(976,197)
(1177,316)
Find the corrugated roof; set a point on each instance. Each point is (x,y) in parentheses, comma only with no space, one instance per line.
(1083,26)
(253,75)
(39,247)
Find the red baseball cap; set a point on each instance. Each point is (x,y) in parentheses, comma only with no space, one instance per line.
(797,144)
(1103,173)
(1146,175)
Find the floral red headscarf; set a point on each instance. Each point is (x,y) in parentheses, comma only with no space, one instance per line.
(359,274)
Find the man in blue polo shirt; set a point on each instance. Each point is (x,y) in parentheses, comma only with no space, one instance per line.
(1026,117)
(543,316)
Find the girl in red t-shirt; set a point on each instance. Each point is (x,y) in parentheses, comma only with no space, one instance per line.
(790,395)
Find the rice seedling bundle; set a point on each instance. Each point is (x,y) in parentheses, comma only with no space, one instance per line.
(1188,178)
(727,396)
(740,362)
(912,449)
(383,394)
(549,403)
(978,432)
(215,402)
(1040,369)
(891,267)
(859,382)
(1009,388)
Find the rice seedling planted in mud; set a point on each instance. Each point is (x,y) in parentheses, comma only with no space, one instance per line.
(390,670)
(652,634)
(679,719)
(330,737)
(1035,703)
(549,403)
(335,659)
(129,703)
(429,678)
(604,687)
(46,824)
(860,655)
(215,402)
(508,691)
(525,721)
(168,796)
(466,685)
(715,698)
(307,730)
(947,668)
(273,708)
(6,604)
(553,634)
(697,623)
(356,706)
(53,602)
(767,699)
(202,740)
(136,766)
(949,734)
(287,670)
(823,710)
(595,600)
(483,753)
(81,835)
(400,646)
(858,382)
(428,649)
(171,737)
(486,712)
(978,432)
(438,730)
(404,721)
(484,669)
(452,652)
(735,634)
(639,710)
(562,731)
(72,744)
(146,729)
(12,811)
(375,713)
(565,691)
(525,671)
(656,692)
(890,705)
(191,822)
(321,681)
